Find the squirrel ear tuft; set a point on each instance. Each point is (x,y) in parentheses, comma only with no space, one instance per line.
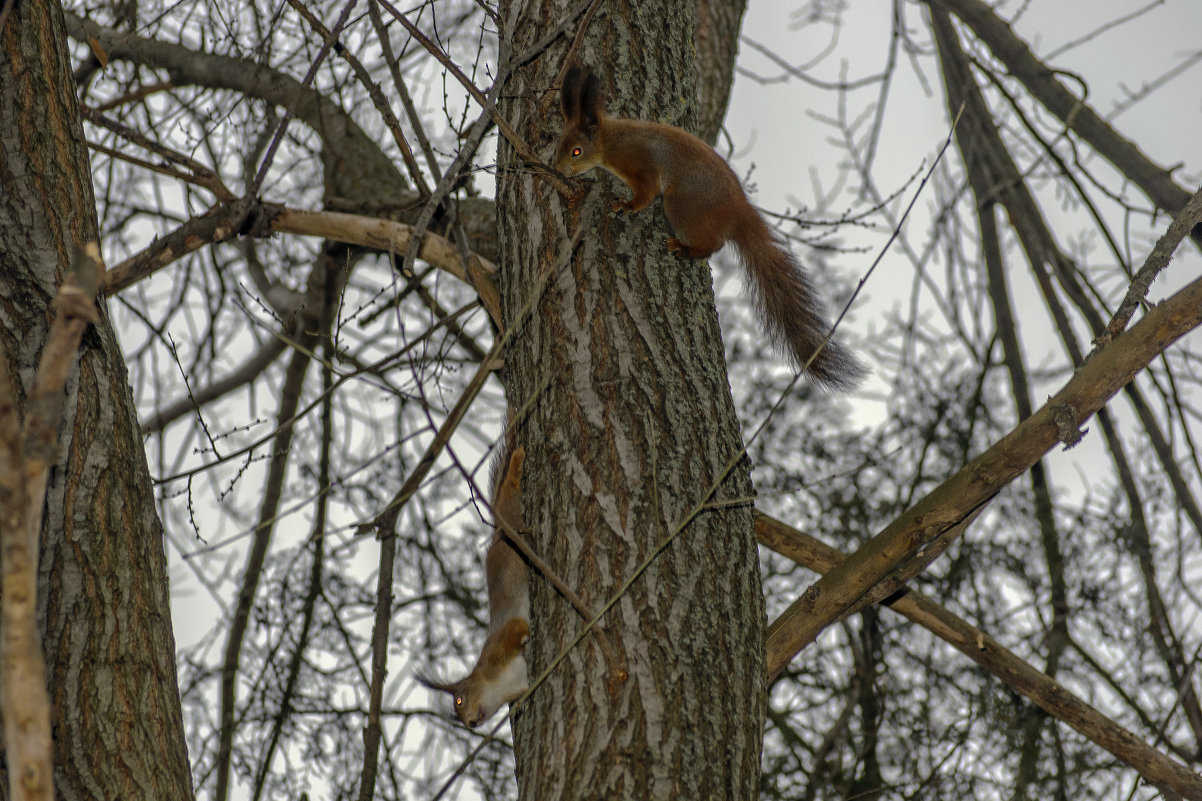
(591,101)
(430,683)
(569,96)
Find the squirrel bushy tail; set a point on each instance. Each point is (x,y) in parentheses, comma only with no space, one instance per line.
(706,207)
(789,306)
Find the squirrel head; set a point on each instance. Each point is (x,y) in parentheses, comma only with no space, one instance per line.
(582,100)
(498,678)
(468,697)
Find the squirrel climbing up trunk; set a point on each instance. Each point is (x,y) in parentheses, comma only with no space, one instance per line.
(706,207)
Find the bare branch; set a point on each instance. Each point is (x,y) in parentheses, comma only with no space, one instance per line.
(1166,773)
(1147,274)
(359,163)
(385,528)
(23,697)
(1040,80)
(977,482)
(247,217)
(324,289)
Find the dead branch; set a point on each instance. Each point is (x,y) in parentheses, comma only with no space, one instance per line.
(76,304)
(1166,773)
(1042,82)
(225,222)
(948,505)
(1143,279)
(221,222)
(26,706)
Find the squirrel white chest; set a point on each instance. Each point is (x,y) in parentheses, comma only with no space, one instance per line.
(511,683)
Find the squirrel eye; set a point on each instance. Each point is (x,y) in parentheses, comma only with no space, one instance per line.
(576,151)
(459,700)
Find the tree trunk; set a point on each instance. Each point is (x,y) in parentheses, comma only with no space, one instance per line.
(102,593)
(624,409)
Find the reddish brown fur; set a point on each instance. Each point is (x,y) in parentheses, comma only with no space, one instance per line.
(507,495)
(706,207)
(499,675)
(504,568)
(501,646)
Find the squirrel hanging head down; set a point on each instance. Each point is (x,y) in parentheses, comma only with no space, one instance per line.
(706,207)
(499,675)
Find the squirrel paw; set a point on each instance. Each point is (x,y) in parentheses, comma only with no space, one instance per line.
(684,250)
(618,206)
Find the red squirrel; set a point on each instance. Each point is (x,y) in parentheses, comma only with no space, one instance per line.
(706,207)
(499,675)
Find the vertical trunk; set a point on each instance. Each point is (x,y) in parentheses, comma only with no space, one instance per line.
(717,39)
(628,422)
(103,605)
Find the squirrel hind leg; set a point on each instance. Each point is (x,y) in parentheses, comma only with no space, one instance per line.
(696,242)
(700,233)
(689,251)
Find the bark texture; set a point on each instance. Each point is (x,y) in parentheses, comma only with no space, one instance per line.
(717,40)
(624,409)
(103,604)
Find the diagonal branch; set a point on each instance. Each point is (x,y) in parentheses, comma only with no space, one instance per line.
(218,224)
(1041,81)
(994,176)
(1008,186)
(1166,773)
(1138,290)
(947,506)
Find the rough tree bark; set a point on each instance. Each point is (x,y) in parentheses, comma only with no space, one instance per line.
(103,603)
(717,40)
(627,420)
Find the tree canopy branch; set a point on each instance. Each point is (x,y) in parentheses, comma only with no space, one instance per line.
(1057,420)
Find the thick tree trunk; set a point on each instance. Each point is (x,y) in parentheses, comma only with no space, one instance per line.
(717,40)
(103,603)
(627,423)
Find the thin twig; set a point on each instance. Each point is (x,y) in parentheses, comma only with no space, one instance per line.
(201,175)
(1189,217)
(326,44)
(384,524)
(524,151)
(374,92)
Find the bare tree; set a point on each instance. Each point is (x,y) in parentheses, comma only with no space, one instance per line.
(330,318)
(643,437)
